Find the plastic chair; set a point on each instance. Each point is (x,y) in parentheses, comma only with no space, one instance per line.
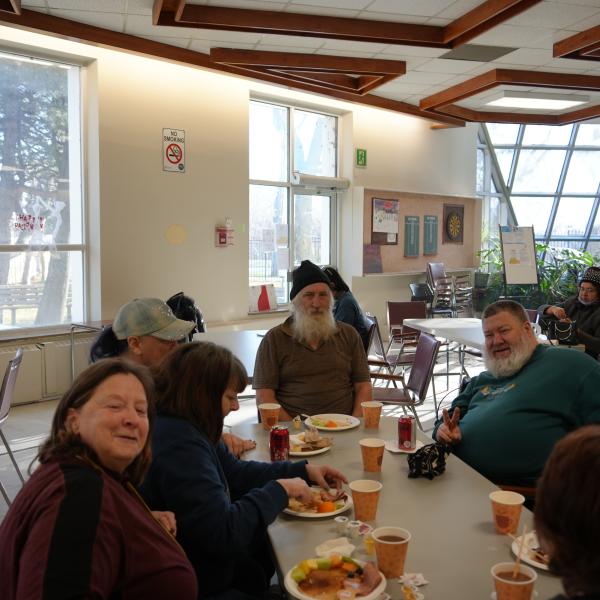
(435,271)
(6,396)
(414,391)
(396,313)
(378,356)
(463,295)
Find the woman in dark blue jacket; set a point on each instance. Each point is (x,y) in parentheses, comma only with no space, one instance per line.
(223,505)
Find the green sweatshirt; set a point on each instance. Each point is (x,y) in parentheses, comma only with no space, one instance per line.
(510,425)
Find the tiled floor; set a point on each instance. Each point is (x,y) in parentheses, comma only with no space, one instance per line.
(27,426)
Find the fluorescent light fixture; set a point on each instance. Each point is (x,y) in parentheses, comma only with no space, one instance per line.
(535,101)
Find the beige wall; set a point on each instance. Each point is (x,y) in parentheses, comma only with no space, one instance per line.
(132,202)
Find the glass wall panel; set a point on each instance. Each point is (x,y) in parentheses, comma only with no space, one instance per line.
(533,211)
(501,133)
(572,217)
(547,136)
(315,148)
(505,158)
(538,171)
(311,229)
(584,173)
(268,142)
(588,135)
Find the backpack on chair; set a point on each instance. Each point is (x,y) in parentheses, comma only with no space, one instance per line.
(184,307)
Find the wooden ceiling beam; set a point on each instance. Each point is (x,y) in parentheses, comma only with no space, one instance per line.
(468,88)
(583,45)
(482,18)
(11,6)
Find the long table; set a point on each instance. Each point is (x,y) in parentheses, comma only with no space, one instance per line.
(453,543)
(466,331)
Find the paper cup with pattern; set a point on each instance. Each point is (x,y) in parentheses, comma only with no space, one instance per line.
(371,413)
(508,588)
(506,507)
(391,545)
(372,454)
(365,495)
(269,415)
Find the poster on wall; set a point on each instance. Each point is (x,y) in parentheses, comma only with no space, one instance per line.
(385,222)
(372,258)
(174,150)
(430,233)
(411,236)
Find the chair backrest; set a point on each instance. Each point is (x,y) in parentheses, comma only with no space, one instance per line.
(8,384)
(420,292)
(398,311)
(375,341)
(435,271)
(422,368)
(532,315)
(371,329)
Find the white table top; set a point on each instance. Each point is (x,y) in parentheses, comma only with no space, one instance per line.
(453,543)
(462,330)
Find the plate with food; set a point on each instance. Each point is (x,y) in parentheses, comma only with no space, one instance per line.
(532,552)
(333,422)
(324,504)
(309,443)
(323,578)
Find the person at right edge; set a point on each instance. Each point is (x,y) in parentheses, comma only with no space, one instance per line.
(583,310)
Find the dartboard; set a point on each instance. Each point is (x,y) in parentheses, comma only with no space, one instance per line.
(453,225)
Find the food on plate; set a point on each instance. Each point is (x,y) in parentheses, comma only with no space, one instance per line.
(536,553)
(309,441)
(329,423)
(328,578)
(322,502)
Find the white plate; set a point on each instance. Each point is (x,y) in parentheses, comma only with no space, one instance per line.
(531,541)
(392,446)
(309,452)
(305,515)
(346,422)
(292,587)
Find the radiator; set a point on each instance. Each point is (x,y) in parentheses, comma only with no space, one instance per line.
(29,380)
(56,357)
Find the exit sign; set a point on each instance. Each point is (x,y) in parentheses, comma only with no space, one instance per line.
(361,157)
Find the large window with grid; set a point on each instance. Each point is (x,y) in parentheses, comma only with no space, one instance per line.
(289,223)
(41,208)
(549,177)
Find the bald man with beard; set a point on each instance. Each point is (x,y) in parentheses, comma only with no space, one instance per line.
(507,420)
(310,364)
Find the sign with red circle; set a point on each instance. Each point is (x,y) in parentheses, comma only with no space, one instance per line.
(174,150)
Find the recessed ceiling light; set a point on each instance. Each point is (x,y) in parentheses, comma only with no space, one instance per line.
(535,101)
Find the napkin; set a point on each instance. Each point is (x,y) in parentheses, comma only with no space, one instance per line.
(335,546)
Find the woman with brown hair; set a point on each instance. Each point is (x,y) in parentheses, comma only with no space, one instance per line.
(567,513)
(223,505)
(78,528)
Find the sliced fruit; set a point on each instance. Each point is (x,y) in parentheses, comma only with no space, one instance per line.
(326,507)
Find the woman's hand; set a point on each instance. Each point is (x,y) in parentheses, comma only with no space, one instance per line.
(167,519)
(325,476)
(557,312)
(237,446)
(296,488)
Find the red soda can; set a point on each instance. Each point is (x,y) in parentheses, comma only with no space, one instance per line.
(279,443)
(407,433)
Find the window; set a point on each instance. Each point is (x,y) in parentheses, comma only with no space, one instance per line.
(289,223)
(41,208)
(550,178)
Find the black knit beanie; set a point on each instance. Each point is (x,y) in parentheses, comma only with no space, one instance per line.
(306,274)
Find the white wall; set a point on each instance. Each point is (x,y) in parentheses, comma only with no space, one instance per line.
(133,202)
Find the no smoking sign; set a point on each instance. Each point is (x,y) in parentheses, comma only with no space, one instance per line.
(174,150)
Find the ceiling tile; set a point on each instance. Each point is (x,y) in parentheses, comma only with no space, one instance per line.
(398,50)
(526,56)
(112,21)
(339,52)
(570,63)
(586,23)
(294,49)
(116,6)
(34,4)
(422,77)
(178,42)
(399,87)
(291,41)
(583,2)
(348,4)
(320,10)
(458,9)
(509,35)
(437,22)
(427,8)
(249,4)
(440,65)
(139,7)
(204,46)
(362,47)
(142,25)
(552,14)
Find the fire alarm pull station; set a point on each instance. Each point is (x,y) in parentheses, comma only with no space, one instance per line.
(224,234)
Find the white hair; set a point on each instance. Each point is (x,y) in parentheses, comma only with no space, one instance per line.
(313,326)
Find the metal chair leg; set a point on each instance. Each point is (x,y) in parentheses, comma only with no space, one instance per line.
(6,498)
(12,457)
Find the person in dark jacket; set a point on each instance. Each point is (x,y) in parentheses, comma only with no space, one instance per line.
(223,505)
(582,310)
(567,513)
(78,528)
(346,308)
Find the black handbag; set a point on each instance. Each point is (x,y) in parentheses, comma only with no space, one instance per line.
(563,332)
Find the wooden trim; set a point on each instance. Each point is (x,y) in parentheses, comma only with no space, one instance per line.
(11,6)
(483,18)
(460,91)
(583,45)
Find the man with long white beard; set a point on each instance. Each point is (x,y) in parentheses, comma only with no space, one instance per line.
(507,420)
(310,364)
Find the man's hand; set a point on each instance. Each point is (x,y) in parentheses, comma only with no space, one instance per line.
(449,431)
(557,312)
(325,476)
(167,519)
(237,446)
(296,488)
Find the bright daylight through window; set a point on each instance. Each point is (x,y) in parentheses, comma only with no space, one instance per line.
(544,176)
(288,223)
(41,232)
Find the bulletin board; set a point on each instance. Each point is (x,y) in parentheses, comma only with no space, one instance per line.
(518,255)
(422,235)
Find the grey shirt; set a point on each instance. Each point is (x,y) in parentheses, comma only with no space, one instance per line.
(311,381)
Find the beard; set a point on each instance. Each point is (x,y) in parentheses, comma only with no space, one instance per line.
(310,326)
(519,356)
